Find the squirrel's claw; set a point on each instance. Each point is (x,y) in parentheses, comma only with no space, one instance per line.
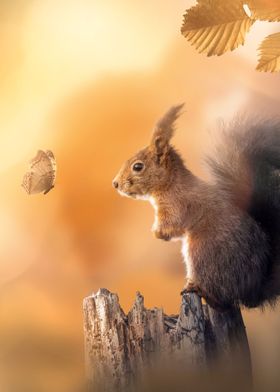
(191,287)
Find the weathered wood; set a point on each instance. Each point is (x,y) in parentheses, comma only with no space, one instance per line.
(120,348)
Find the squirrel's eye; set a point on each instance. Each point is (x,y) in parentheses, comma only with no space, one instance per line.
(138,166)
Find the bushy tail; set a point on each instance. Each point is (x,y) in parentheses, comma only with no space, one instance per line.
(246,166)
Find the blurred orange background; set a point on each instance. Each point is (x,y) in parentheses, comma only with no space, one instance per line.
(88,79)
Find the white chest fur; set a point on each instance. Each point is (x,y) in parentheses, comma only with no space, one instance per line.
(154,204)
(152,200)
(186,257)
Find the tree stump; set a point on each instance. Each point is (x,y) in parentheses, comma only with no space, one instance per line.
(122,351)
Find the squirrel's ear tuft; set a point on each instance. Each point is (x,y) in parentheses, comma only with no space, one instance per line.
(164,131)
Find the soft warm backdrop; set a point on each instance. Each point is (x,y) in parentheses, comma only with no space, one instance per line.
(88,79)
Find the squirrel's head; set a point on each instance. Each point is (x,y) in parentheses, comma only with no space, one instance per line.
(149,170)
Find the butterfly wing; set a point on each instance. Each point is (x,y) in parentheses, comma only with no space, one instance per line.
(42,173)
(26,182)
(41,183)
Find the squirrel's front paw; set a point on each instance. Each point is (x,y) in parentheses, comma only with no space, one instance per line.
(162,235)
(167,233)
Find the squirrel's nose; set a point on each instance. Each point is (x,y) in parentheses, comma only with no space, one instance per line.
(115,184)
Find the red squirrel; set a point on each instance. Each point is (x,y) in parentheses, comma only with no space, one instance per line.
(230,226)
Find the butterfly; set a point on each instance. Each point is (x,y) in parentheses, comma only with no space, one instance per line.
(41,174)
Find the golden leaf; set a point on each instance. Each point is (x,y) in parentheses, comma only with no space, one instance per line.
(268,10)
(269,60)
(216,26)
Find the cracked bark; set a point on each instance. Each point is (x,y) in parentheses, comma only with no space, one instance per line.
(120,348)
